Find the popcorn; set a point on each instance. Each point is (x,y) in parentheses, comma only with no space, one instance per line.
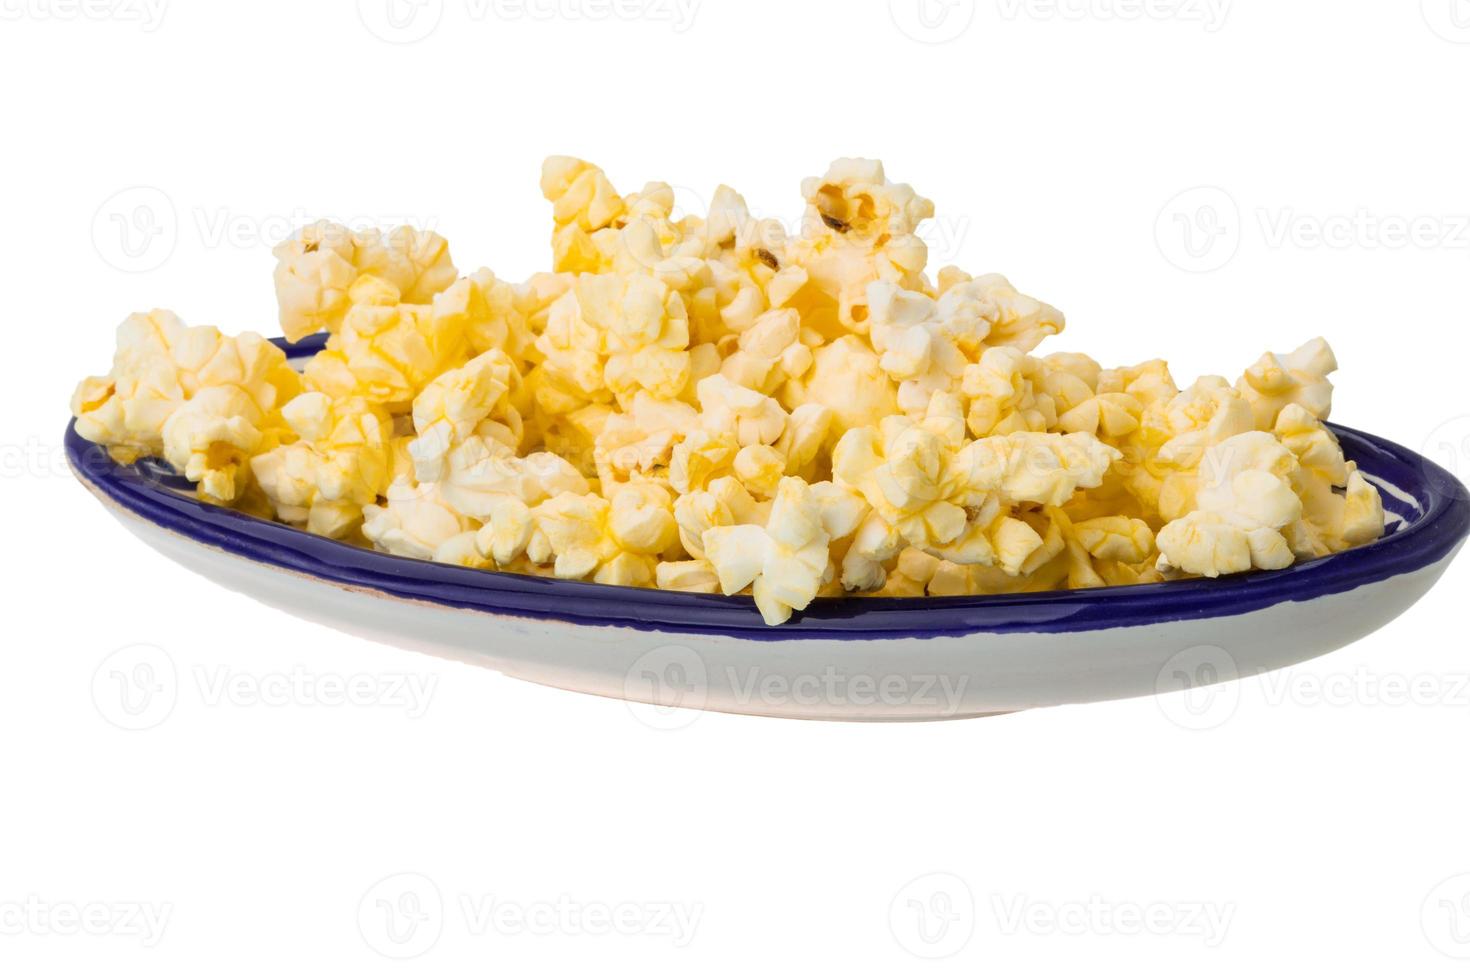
(385,350)
(1039,467)
(1298,378)
(1331,520)
(340,462)
(1006,389)
(770,352)
(687,576)
(583,201)
(1243,503)
(611,337)
(859,228)
(785,562)
(457,404)
(641,441)
(226,392)
(1123,539)
(920,348)
(488,313)
(482,472)
(954,502)
(705,403)
(752,418)
(211,438)
(725,503)
(1072,381)
(990,309)
(846,377)
(414,521)
(317,267)
(615,542)
(702,458)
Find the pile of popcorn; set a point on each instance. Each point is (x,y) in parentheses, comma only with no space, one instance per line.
(714,404)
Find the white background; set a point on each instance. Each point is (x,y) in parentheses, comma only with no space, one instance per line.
(153,154)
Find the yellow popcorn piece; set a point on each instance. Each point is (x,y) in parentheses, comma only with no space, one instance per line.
(1072,381)
(855,198)
(615,542)
(724,503)
(785,562)
(752,418)
(1010,318)
(640,443)
(609,337)
(204,401)
(859,228)
(317,267)
(1201,416)
(339,463)
(1298,378)
(462,549)
(458,402)
(211,438)
(928,492)
(687,576)
(1244,500)
(488,313)
(1202,543)
(928,345)
(1104,551)
(769,353)
(919,347)
(583,201)
(760,468)
(1007,393)
(414,522)
(705,402)
(847,378)
(1121,539)
(801,442)
(385,351)
(1340,509)
(482,472)
(701,458)
(506,532)
(908,476)
(1036,467)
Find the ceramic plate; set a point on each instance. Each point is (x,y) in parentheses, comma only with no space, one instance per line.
(855,659)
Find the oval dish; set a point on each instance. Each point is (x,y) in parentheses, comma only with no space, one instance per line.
(855,658)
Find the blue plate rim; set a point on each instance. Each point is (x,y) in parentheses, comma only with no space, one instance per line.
(1435,523)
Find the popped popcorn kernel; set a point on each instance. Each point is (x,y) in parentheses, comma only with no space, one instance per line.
(317,267)
(205,401)
(1298,378)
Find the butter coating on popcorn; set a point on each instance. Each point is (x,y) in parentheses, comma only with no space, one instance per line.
(709,402)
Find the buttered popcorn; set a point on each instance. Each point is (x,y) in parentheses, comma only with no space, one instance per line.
(715,403)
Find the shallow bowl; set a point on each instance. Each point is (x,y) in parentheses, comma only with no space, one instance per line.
(852,659)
